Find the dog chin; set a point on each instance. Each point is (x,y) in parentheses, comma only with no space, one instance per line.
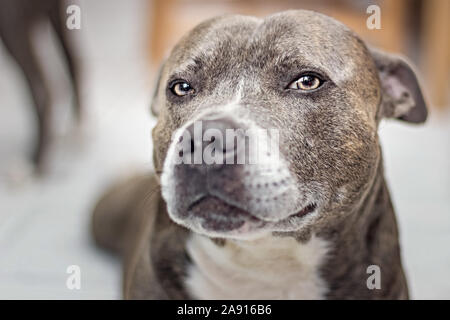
(214,218)
(247,231)
(214,225)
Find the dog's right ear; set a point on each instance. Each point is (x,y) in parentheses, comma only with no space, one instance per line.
(154,107)
(402,96)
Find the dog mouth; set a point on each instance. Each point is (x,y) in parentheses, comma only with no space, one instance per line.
(221,216)
(306,210)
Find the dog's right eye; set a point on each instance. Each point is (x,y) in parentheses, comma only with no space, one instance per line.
(306,82)
(181,88)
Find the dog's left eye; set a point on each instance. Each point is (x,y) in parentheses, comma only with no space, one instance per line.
(181,88)
(306,82)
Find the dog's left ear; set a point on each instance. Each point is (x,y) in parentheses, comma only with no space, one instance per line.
(402,97)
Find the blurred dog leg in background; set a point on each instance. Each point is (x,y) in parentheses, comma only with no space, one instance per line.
(18,18)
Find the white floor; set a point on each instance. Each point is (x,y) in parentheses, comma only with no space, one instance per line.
(44,224)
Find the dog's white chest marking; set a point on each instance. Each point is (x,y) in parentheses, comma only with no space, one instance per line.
(268,268)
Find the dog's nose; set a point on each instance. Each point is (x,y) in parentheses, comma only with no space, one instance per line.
(220,134)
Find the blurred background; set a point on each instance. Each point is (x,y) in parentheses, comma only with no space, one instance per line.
(44,220)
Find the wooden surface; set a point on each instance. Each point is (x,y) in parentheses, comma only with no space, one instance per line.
(436,50)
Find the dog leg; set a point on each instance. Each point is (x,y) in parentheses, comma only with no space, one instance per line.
(119,213)
(59,26)
(20,47)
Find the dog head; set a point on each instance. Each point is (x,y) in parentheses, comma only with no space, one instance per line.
(298,82)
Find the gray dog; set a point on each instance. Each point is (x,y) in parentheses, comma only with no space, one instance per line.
(307,224)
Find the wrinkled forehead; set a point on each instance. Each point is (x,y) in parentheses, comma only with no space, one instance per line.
(292,38)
